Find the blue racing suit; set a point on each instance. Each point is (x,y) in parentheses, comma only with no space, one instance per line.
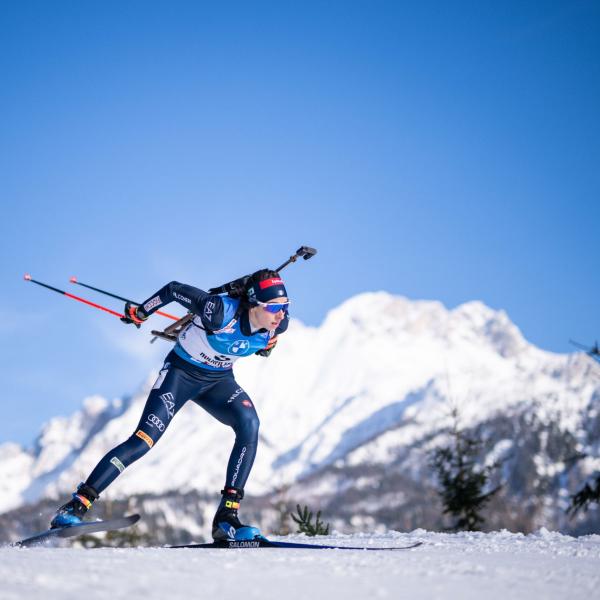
(199,368)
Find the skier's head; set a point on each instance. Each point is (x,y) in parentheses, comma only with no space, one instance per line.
(268,299)
(265,285)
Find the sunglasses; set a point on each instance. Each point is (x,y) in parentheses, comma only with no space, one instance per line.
(274,308)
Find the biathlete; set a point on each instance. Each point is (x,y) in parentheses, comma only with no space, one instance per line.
(199,368)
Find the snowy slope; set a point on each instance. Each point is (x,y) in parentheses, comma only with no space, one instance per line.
(464,566)
(381,372)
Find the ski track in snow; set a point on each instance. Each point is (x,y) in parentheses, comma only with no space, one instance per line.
(494,566)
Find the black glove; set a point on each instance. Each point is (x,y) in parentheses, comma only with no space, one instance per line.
(266,351)
(133,314)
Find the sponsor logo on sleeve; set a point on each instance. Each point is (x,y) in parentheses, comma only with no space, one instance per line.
(238,465)
(156,301)
(117,463)
(169,401)
(235,395)
(209,307)
(181,298)
(154,421)
(145,437)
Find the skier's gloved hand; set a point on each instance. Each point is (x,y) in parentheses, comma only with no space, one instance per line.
(266,351)
(133,314)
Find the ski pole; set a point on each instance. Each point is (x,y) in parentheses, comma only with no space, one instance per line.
(158,312)
(108,310)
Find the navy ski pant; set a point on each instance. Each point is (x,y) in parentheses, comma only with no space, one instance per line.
(217,393)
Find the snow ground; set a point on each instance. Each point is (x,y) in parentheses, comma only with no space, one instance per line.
(494,566)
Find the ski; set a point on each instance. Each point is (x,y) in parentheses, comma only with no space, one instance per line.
(262,542)
(79,529)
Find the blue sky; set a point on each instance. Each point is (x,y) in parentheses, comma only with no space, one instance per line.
(443,151)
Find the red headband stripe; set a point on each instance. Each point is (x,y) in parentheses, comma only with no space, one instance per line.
(267,283)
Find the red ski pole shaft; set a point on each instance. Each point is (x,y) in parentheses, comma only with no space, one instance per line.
(91,287)
(108,310)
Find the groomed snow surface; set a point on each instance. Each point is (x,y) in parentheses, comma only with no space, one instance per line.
(491,566)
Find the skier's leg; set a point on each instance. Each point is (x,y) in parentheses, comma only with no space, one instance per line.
(230,404)
(173,390)
(170,392)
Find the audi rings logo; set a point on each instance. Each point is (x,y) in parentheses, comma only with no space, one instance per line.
(154,421)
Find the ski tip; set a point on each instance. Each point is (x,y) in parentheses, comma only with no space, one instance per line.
(73,279)
(27,277)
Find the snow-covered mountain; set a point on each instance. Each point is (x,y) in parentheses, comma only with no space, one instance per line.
(377,380)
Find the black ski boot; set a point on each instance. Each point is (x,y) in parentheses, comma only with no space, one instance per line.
(226,524)
(73,511)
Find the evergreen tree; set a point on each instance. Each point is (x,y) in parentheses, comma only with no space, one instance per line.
(462,480)
(305,525)
(587,495)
